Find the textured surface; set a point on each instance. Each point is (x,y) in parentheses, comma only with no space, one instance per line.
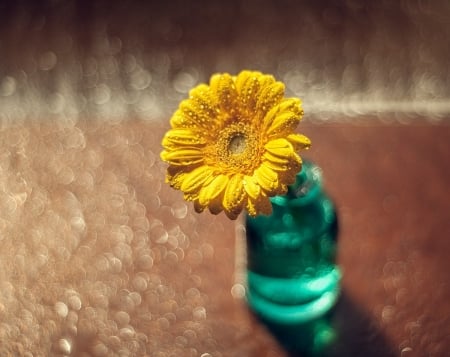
(99,257)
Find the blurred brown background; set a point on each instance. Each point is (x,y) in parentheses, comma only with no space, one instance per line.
(119,57)
(98,257)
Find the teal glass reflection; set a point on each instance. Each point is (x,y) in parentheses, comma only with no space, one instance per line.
(292,274)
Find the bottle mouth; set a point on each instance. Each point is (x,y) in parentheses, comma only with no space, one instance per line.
(308,182)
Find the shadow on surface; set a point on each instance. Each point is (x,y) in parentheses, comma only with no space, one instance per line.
(346,331)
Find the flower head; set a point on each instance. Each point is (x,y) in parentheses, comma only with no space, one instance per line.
(232,144)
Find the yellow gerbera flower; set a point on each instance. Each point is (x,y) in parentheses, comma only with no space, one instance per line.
(232,144)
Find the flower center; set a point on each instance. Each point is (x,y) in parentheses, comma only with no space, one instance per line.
(237,144)
(236,149)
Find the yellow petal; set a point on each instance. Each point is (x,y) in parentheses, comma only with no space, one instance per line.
(251,208)
(199,208)
(269,96)
(224,89)
(261,205)
(196,112)
(193,196)
(295,158)
(266,177)
(204,101)
(280,147)
(265,80)
(264,205)
(294,167)
(267,156)
(183,137)
(281,157)
(214,189)
(243,77)
(189,115)
(251,187)
(284,123)
(215,206)
(277,167)
(175,179)
(194,180)
(299,141)
(289,178)
(292,105)
(182,157)
(200,93)
(233,199)
(180,120)
(247,85)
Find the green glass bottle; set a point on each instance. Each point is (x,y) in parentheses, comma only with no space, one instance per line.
(292,274)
